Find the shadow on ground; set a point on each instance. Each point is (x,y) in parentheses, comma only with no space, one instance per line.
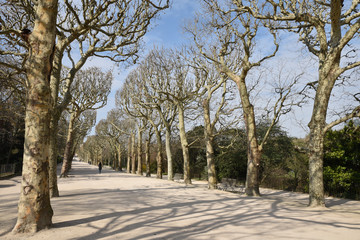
(115,205)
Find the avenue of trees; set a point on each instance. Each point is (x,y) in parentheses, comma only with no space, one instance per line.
(37,38)
(210,110)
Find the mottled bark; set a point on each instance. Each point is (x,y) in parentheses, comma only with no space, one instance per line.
(34,209)
(147,158)
(133,154)
(139,152)
(128,164)
(68,148)
(328,74)
(169,154)
(252,183)
(53,188)
(118,162)
(209,141)
(159,158)
(184,146)
(210,158)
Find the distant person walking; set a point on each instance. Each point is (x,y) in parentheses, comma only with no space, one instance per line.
(100,167)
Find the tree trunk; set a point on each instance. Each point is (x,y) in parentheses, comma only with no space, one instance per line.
(133,154)
(118,165)
(254,152)
(327,78)
(169,154)
(252,173)
(147,158)
(68,148)
(139,152)
(129,157)
(34,209)
(210,157)
(54,126)
(159,155)
(316,182)
(184,146)
(128,164)
(209,140)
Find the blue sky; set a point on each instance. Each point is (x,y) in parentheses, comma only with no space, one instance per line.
(167,31)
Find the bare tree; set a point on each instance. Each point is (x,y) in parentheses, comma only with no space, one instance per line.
(327,28)
(106,29)
(133,101)
(150,72)
(176,84)
(228,40)
(89,92)
(34,209)
(212,110)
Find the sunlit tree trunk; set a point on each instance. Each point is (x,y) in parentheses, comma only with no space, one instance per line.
(128,164)
(252,183)
(55,117)
(139,152)
(159,155)
(327,77)
(34,209)
(118,165)
(209,139)
(68,147)
(54,191)
(169,154)
(147,158)
(184,146)
(133,154)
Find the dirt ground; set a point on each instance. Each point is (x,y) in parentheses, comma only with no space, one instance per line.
(115,205)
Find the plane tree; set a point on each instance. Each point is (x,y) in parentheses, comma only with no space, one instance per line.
(329,29)
(131,99)
(89,92)
(103,29)
(175,82)
(34,209)
(229,41)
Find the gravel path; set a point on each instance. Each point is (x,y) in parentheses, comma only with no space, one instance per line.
(116,205)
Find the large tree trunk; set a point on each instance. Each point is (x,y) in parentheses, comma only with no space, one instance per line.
(159,155)
(139,152)
(184,146)
(147,158)
(34,209)
(169,154)
(327,77)
(252,183)
(316,182)
(133,154)
(68,148)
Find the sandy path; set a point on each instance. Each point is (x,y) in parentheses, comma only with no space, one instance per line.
(123,206)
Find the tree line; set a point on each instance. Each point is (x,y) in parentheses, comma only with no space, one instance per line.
(215,81)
